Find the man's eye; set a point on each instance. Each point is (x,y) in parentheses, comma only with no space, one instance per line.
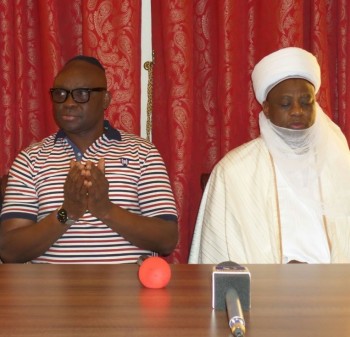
(307,102)
(285,105)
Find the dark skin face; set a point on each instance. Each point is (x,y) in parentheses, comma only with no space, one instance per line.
(82,122)
(291,104)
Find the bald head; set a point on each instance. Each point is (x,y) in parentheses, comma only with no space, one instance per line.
(88,59)
(83,71)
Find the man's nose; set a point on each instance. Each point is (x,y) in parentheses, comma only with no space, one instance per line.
(297,109)
(70,100)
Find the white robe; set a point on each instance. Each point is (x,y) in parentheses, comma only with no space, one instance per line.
(239,216)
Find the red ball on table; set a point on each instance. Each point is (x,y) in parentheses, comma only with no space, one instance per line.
(154,272)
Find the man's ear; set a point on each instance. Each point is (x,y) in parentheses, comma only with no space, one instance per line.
(106,100)
(265,107)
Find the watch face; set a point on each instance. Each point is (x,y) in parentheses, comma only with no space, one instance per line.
(62,216)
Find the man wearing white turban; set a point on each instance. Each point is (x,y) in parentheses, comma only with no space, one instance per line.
(285,196)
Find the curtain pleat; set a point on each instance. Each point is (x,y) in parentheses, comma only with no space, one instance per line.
(112,33)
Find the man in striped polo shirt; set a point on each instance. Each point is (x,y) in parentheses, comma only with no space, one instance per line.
(89,193)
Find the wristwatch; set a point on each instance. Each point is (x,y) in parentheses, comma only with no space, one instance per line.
(62,216)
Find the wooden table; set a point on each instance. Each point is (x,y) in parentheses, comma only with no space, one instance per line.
(108,300)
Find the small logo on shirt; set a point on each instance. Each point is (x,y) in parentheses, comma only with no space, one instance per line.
(124,161)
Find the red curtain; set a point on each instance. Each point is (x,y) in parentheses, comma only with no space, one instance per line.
(38,36)
(204,105)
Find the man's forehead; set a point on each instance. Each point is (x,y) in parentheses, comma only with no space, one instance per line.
(88,59)
(292,86)
(81,70)
(82,65)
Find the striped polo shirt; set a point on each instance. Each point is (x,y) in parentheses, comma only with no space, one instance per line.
(138,182)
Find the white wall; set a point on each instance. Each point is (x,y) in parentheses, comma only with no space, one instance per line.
(146,55)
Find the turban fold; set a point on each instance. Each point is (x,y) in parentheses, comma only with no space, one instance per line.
(291,62)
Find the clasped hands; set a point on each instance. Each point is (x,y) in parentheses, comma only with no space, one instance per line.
(86,189)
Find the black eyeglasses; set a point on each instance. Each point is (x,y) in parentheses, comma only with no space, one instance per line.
(79,95)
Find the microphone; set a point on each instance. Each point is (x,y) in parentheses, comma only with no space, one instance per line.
(234,313)
(231,290)
(154,272)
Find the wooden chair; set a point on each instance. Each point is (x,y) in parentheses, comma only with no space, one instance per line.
(3,183)
(204,180)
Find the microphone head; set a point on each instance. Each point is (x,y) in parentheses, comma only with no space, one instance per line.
(154,272)
(227,275)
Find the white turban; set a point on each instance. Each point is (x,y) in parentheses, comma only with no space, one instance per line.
(291,62)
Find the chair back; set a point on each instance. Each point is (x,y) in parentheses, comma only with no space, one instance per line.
(3,183)
(204,180)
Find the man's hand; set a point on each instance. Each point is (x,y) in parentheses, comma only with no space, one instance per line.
(75,191)
(98,202)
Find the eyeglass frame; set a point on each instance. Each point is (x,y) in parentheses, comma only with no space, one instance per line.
(71,92)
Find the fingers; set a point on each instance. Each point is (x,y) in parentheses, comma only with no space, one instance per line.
(89,172)
(92,173)
(76,164)
(89,166)
(94,185)
(87,183)
(101,165)
(86,173)
(75,199)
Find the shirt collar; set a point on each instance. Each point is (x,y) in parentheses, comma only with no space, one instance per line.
(109,131)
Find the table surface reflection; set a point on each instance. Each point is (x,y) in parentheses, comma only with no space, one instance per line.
(108,300)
